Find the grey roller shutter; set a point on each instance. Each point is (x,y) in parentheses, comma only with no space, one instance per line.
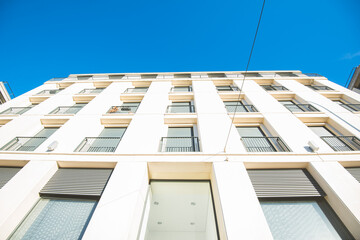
(6,173)
(280,183)
(70,182)
(355,171)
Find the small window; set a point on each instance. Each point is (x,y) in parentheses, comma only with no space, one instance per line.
(216,75)
(286,74)
(273,87)
(137,90)
(227,88)
(182,75)
(181,107)
(252,74)
(352,107)
(239,106)
(148,76)
(319,87)
(294,107)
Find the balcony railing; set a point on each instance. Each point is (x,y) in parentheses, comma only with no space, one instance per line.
(241,108)
(351,107)
(179,144)
(66,110)
(49,92)
(91,91)
(23,144)
(301,108)
(122,109)
(312,75)
(181,89)
(227,89)
(319,88)
(16,110)
(98,144)
(180,109)
(136,90)
(274,88)
(264,144)
(343,143)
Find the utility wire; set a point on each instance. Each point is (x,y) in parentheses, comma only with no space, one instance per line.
(243,80)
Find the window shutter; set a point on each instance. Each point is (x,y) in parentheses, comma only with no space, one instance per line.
(282,183)
(355,171)
(70,182)
(6,173)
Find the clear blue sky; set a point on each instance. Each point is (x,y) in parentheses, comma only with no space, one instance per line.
(44,39)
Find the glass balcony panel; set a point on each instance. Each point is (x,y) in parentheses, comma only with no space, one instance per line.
(181,109)
(181,89)
(179,144)
(16,110)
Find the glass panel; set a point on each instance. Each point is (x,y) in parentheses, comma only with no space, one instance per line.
(139,89)
(224,88)
(179,107)
(184,75)
(321,131)
(291,106)
(56,219)
(298,220)
(181,210)
(180,132)
(33,143)
(235,106)
(75,108)
(250,132)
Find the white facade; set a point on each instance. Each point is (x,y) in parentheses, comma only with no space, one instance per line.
(222,157)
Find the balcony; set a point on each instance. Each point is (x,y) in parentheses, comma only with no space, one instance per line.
(23,144)
(16,110)
(274,88)
(351,107)
(319,88)
(342,143)
(180,108)
(179,144)
(122,109)
(241,108)
(98,144)
(66,110)
(301,108)
(265,144)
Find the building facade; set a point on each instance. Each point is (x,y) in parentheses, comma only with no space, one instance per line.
(4,95)
(196,155)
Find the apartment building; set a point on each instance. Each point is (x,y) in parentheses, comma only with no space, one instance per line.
(195,155)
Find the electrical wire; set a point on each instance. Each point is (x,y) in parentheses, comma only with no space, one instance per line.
(246,70)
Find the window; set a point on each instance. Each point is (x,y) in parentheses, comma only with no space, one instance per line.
(347,105)
(107,141)
(181,210)
(68,109)
(239,106)
(273,87)
(91,90)
(216,75)
(183,75)
(49,92)
(136,90)
(6,173)
(66,205)
(17,110)
(255,140)
(148,76)
(84,77)
(180,139)
(127,107)
(181,107)
(115,77)
(181,89)
(252,74)
(294,107)
(294,206)
(319,87)
(227,88)
(286,74)
(355,172)
(29,143)
(337,143)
